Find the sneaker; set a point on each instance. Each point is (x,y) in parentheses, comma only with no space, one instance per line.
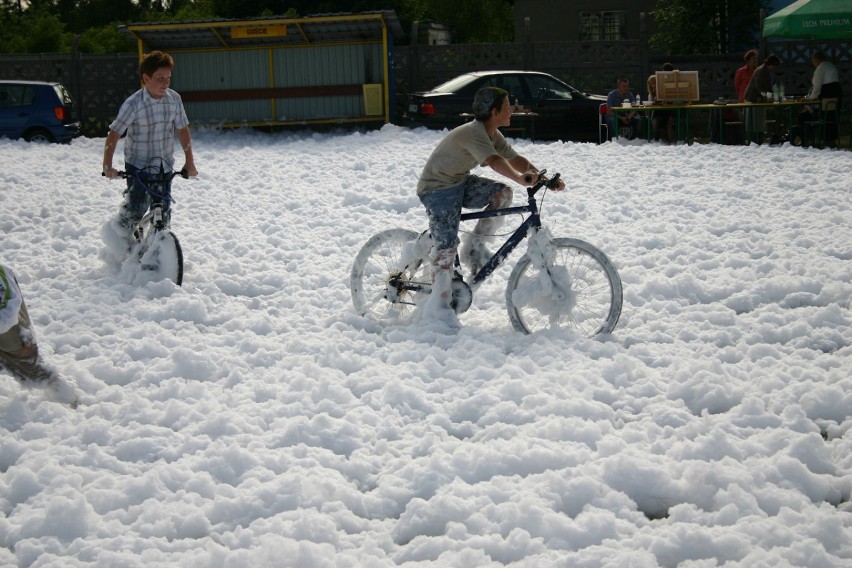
(63,389)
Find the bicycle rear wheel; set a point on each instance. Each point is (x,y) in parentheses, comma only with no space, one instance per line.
(388,272)
(579,289)
(164,257)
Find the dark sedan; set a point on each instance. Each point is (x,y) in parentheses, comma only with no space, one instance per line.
(560,112)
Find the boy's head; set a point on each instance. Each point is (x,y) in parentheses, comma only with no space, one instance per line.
(486,100)
(156,69)
(155,60)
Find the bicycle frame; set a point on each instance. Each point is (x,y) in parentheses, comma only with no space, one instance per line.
(499,257)
(533,221)
(160,192)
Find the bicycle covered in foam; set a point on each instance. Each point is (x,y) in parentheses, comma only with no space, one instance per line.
(557,283)
(156,247)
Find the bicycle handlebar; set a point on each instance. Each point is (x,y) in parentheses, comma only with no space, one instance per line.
(544,181)
(154,179)
(168,176)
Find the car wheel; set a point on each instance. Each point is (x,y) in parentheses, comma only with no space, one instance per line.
(38,136)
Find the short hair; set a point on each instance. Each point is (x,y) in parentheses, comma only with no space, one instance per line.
(819,56)
(750,54)
(155,60)
(667,67)
(772,60)
(486,99)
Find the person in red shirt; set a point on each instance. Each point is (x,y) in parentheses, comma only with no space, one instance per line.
(744,73)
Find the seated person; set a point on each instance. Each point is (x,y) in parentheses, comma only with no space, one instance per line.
(662,121)
(824,85)
(626,120)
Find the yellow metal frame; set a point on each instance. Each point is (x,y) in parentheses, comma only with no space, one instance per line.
(298,23)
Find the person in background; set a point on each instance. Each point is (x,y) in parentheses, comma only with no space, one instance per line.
(446,185)
(662,121)
(744,73)
(760,83)
(825,84)
(18,347)
(631,120)
(150,118)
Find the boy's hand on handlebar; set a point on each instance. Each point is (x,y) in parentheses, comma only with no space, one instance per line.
(190,170)
(110,172)
(556,184)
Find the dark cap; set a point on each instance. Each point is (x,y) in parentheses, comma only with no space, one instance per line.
(486,99)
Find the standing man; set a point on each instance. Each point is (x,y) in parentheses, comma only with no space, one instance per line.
(616,98)
(150,118)
(744,73)
(761,82)
(446,185)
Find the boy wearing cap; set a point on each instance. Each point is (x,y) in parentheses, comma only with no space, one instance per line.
(446,185)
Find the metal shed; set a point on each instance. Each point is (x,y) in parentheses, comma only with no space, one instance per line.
(332,69)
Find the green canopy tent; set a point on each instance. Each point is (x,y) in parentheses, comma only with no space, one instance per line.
(811,19)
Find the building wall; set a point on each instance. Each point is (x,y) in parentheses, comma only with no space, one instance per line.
(559,20)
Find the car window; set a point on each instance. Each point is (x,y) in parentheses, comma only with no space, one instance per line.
(514,85)
(548,88)
(12,95)
(63,94)
(29,95)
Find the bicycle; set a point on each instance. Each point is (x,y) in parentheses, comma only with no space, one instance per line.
(156,247)
(558,282)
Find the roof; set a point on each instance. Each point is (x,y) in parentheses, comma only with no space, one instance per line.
(278,31)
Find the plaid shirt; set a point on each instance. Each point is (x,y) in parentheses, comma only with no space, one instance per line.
(150,126)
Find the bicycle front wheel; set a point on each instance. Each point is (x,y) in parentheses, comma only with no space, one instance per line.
(164,257)
(389,271)
(578,288)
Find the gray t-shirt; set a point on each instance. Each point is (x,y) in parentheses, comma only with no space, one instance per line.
(464,148)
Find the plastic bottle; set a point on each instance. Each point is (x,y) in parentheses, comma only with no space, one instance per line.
(781,92)
(775,93)
(517,105)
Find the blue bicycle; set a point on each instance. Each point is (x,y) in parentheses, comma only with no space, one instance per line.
(558,282)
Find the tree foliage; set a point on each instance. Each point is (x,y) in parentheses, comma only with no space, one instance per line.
(707,27)
(41,26)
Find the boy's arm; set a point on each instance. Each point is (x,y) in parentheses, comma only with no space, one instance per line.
(109,150)
(185,139)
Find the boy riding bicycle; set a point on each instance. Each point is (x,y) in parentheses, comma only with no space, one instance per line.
(150,117)
(446,185)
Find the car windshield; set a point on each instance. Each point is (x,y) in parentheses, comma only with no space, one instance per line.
(454,85)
